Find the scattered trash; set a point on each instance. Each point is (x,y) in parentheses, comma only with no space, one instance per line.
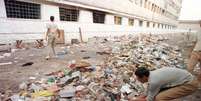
(82,64)
(83,51)
(27,64)
(7,54)
(74,41)
(32,78)
(43,93)
(23,86)
(112,80)
(86,57)
(31,55)
(6,63)
(103,53)
(68,91)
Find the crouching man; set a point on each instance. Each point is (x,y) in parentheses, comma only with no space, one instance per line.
(166,84)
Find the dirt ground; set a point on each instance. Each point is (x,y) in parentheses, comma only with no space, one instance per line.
(12,75)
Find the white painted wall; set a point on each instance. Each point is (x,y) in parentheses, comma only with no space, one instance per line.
(85,16)
(124,21)
(136,23)
(2,9)
(109,19)
(12,29)
(49,10)
(145,24)
(156,25)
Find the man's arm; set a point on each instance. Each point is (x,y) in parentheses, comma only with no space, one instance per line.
(140,98)
(153,89)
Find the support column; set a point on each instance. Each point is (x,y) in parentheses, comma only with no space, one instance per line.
(109,19)
(136,23)
(124,21)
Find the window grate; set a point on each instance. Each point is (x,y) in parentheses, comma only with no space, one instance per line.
(140,23)
(18,9)
(117,20)
(148,24)
(131,22)
(68,14)
(98,17)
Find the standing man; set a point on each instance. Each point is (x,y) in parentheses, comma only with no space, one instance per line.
(166,84)
(50,37)
(196,53)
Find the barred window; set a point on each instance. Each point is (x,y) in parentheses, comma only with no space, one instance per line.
(98,17)
(117,20)
(19,9)
(148,24)
(153,25)
(67,14)
(130,22)
(140,23)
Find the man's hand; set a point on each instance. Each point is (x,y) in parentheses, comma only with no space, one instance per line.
(139,98)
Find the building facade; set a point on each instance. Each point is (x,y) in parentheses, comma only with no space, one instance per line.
(190,25)
(26,19)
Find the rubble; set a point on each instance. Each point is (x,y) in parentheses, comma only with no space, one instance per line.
(111,81)
(6,63)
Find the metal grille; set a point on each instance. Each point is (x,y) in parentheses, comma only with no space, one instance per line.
(131,22)
(18,9)
(148,24)
(140,23)
(153,25)
(98,17)
(117,20)
(68,14)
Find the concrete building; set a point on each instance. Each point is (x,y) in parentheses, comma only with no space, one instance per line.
(193,25)
(26,19)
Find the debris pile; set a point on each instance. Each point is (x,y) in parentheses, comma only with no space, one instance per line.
(111,81)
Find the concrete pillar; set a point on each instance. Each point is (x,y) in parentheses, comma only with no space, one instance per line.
(49,10)
(109,19)
(85,16)
(2,9)
(160,26)
(151,24)
(156,26)
(143,3)
(124,21)
(136,23)
(144,24)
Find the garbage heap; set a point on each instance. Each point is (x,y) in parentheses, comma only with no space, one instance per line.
(111,81)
